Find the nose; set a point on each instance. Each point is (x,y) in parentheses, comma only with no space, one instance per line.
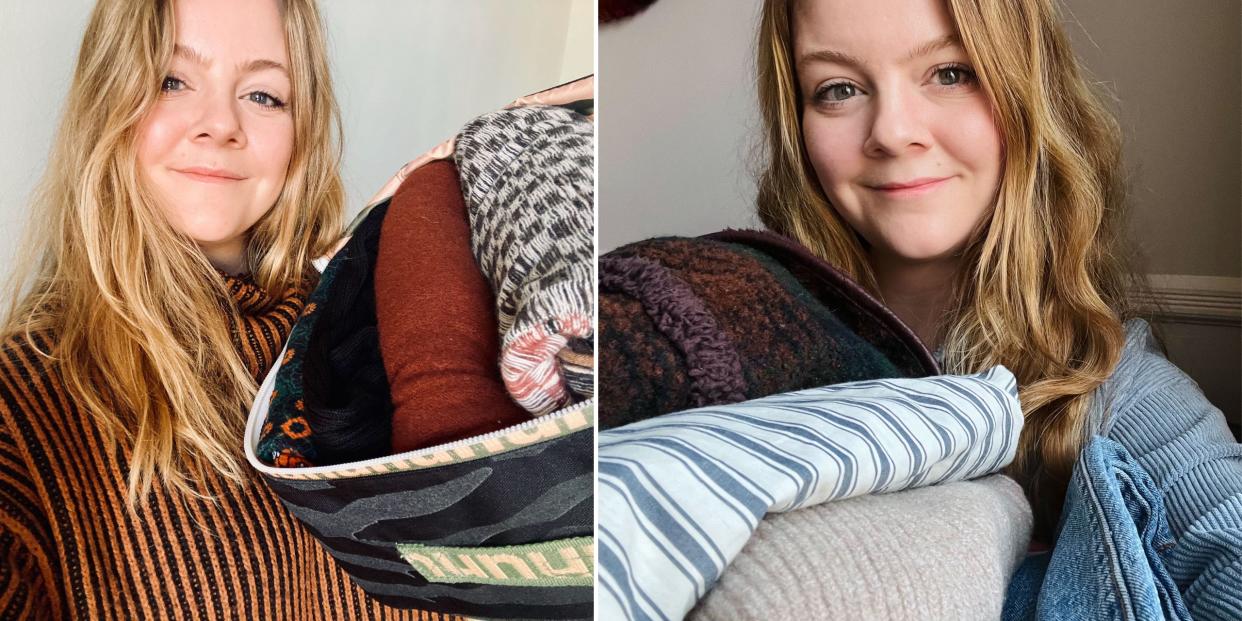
(219,122)
(898,124)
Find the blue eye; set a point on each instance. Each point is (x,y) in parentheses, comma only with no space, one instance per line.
(964,75)
(954,76)
(267,100)
(835,93)
(258,97)
(844,90)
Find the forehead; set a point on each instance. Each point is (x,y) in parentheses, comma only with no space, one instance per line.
(871,30)
(234,31)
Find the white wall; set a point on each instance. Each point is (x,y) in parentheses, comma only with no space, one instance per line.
(36,62)
(579,55)
(407,74)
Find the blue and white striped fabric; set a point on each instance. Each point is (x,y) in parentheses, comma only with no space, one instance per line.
(680,494)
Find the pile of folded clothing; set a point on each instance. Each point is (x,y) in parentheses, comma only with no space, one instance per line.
(431,417)
(748,390)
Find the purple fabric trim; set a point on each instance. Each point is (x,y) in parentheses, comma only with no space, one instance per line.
(713,364)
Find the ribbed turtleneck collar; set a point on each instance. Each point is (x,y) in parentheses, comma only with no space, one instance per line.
(250,298)
(266,320)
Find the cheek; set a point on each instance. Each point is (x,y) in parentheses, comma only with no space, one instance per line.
(830,144)
(272,145)
(834,146)
(158,136)
(978,143)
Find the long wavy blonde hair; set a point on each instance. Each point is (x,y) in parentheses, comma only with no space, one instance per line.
(1046,283)
(140,319)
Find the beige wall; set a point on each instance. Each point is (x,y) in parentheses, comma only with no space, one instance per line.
(1177,69)
(675,109)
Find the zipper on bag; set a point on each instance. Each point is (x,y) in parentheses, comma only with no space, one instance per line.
(255,421)
(455,444)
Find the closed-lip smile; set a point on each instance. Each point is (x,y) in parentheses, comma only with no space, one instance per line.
(910,189)
(210,174)
(906,185)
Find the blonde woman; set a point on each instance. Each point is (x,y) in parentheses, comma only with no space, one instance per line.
(950,156)
(193,179)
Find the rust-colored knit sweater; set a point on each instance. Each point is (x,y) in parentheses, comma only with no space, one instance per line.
(70,550)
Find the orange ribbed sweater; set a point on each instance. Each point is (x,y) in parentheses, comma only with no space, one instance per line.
(70,550)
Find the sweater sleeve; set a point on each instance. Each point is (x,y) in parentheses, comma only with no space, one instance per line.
(1162,417)
(27,568)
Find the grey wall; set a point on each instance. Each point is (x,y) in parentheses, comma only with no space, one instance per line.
(1177,69)
(676,115)
(407,74)
(678,121)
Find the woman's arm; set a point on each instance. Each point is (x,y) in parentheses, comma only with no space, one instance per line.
(1182,441)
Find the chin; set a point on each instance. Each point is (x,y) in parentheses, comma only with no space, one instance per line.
(211,232)
(920,238)
(923,250)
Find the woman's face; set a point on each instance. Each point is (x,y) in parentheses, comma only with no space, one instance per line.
(222,111)
(889,98)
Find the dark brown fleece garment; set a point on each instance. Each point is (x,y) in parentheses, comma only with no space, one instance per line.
(613,10)
(691,322)
(436,317)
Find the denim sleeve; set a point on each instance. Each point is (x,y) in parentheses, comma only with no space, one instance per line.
(1163,419)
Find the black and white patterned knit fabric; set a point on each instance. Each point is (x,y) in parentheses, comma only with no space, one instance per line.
(527,177)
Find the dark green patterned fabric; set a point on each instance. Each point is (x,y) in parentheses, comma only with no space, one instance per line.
(288,438)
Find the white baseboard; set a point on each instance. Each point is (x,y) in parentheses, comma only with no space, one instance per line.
(1183,298)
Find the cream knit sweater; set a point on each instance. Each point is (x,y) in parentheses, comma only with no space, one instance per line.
(940,552)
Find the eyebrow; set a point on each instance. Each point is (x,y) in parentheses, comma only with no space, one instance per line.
(833,56)
(260,64)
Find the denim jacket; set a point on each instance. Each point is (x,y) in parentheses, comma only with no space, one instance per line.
(1108,562)
(1152,522)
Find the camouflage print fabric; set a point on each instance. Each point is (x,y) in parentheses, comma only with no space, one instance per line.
(499,528)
